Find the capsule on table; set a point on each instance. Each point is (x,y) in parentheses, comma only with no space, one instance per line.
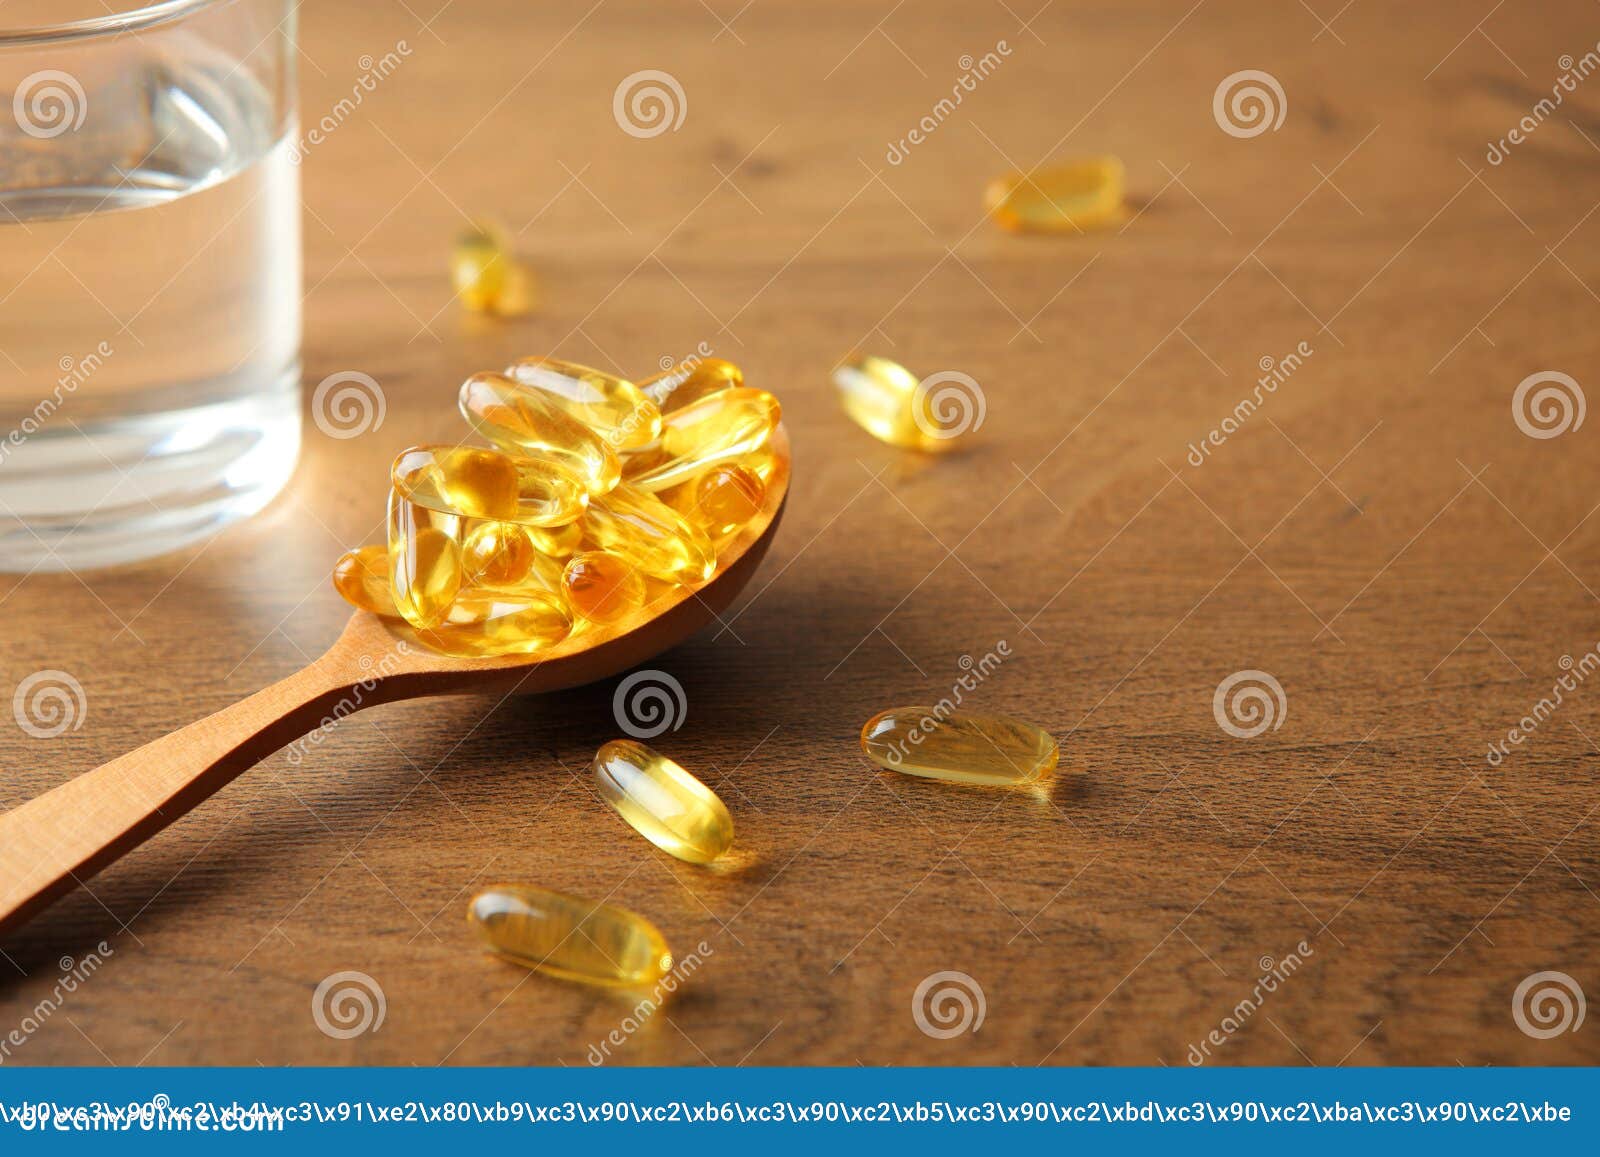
(720,427)
(663,802)
(722,500)
(648,535)
(690,381)
(952,745)
(611,406)
(884,399)
(569,937)
(488,277)
(361,577)
(482,483)
(482,622)
(534,422)
(600,587)
(1067,198)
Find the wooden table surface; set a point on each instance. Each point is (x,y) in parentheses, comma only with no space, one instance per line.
(1379,536)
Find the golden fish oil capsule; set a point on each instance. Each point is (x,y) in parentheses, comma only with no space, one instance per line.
(533,422)
(487,276)
(568,937)
(481,622)
(886,400)
(361,577)
(986,749)
(662,802)
(497,554)
(557,541)
(611,406)
(424,560)
(601,587)
(720,427)
(648,535)
(690,381)
(722,500)
(481,483)
(1066,198)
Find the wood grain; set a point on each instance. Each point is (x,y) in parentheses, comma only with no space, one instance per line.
(1379,536)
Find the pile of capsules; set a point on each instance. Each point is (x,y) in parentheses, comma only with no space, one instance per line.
(598,498)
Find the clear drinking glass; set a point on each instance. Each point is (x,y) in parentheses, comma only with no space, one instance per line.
(149,274)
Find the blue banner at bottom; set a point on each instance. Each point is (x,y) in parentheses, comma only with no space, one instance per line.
(938,1110)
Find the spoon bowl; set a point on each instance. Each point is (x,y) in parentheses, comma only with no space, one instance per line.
(57,840)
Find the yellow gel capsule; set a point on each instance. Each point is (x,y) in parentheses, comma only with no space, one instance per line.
(534,422)
(887,401)
(482,622)
(648,535)
(611,406)
(424,560)
(601,587)
(488,484)
(722,499)
(557,541)
(986,749)
(663,802)
(690,381)
(497,554)
(1067,198)
(487,276)
(568,937)
(720,427)
(361,577)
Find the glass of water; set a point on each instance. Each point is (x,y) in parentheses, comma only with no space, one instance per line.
(149,274)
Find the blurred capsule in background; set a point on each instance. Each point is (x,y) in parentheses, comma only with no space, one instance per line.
(1071,197)
(487,274)
(889,402)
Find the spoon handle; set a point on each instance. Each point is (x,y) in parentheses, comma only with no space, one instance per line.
(59,839)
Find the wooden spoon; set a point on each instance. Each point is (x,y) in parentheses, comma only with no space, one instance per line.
(61,838)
